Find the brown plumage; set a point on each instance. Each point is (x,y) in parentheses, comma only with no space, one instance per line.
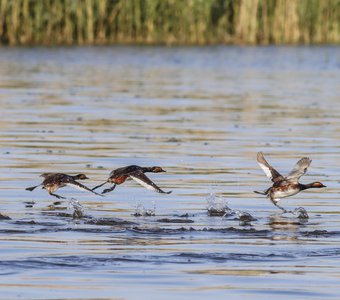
(136,173)
(55,181)
(285,186)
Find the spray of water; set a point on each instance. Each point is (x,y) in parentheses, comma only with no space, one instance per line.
(301,213)
(217,206)
(141,211)
(78,209)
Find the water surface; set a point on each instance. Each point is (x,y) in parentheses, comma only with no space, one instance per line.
(200,113)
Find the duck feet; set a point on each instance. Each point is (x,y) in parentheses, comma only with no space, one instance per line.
(108,190)
(57,196)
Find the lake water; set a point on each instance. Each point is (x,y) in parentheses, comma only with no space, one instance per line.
(200,113)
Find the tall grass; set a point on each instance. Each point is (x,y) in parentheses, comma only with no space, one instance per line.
(54,22)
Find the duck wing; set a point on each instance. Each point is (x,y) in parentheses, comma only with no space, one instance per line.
(271,173)
(124,170)
(56,179)
(79,186)
(299,169)
(143,180)
(45,175)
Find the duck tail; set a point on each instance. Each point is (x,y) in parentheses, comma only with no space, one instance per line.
(98,186)
(32,188)
(261,193)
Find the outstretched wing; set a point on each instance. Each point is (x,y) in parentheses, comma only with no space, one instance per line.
(271,173)
(299,169)
(80,186)
(124,170)
(143,180)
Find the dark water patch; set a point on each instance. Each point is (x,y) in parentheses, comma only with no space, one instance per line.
(146,213)
(82,262)
(60,228)
(89,261)
(93,262)
(158,230)
(76,214)
(227,230)
(109,222)
(167,220)
(58,214)
(4,217)
(39,263)
(223,257)
(241,231)
(325,253)
(14,231)
(246,217)
(319,233)
(7,273)
(101,230)
(213,212)
(38,223)
(100,225)
(186,215)
(29,231)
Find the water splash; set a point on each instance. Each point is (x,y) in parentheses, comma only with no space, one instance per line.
(141,211)
(244,217)
(78,209)
(301,213)
(217,206)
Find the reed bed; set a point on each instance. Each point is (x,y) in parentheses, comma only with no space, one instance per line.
(67,22)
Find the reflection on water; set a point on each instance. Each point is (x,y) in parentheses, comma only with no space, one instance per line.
(202,114)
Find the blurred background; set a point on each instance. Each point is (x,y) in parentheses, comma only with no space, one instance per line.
(79,22)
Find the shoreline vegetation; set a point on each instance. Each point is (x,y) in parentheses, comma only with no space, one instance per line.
(169,22)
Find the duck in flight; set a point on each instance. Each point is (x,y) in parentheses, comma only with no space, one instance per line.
(136,173)
(55,181)
(285,186)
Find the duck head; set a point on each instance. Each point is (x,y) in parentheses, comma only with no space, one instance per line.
(81,176)
(156,169)
(316,184)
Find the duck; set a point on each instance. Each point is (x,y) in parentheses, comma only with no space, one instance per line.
(54,181)
(285,186)
(136,173)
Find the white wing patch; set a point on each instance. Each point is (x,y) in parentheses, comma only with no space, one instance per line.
(141,182)
(266,170)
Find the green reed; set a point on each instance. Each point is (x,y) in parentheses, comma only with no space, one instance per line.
(55,22)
